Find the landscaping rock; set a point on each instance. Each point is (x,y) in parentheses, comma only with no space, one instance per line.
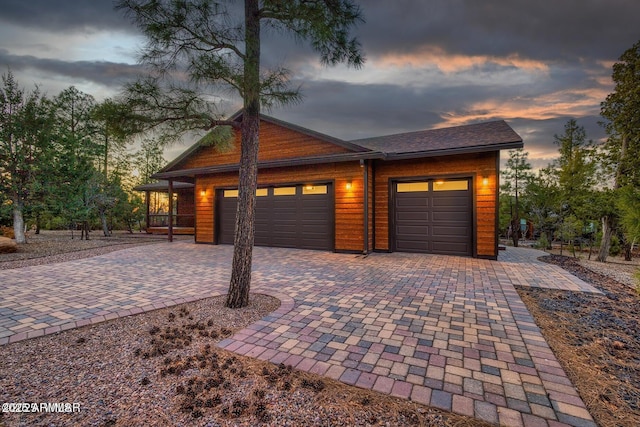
(7,245)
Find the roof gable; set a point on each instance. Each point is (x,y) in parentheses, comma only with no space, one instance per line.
(496,135)
(279,140)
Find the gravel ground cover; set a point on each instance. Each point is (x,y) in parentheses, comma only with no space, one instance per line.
(59,246)
(596,338)
(163,368)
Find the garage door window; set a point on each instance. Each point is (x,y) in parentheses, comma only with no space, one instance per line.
(314,189)
(284,191)
(454,185)
(412,187)
(230,194)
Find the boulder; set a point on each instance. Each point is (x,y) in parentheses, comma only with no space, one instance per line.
(7,245)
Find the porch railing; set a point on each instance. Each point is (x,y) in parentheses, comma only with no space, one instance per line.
(179,220)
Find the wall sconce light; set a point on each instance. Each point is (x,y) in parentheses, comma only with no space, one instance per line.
(348,185)
(203,193)
(485,181)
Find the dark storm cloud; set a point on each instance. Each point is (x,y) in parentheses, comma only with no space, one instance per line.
(560,30)
(63,16)
(452,66)
(108,74)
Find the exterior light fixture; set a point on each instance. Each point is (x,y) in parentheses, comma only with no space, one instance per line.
(485,181)
(203,192)
(348,185)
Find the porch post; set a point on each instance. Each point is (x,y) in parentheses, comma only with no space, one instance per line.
(148,200)
(365,188)
(170,225)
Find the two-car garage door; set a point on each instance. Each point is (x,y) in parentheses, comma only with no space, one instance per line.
(296,216)
(432,216)
(429,216)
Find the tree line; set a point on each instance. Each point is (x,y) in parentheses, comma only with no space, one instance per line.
(66,161)
(591,193)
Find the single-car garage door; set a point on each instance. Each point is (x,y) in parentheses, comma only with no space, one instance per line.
(297,216)
(433,217)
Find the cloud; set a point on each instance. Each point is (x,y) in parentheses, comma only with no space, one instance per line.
(104,73)
(453,63)
(545,31)
(64,16)
(430,63)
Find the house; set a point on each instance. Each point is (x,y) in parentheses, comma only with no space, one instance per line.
(432,191)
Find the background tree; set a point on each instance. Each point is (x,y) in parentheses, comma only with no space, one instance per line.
(575,170)
(218,47)
(628,204)
(542,204)
(148,160)
(24,146)
(622,149)
(516,175)
(111,133)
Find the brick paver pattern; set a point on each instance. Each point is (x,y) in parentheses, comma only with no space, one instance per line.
(449,332)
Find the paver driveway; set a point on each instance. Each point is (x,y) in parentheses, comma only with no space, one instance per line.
(445,331)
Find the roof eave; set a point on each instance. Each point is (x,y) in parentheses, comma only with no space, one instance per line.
(454,151)
(301,161)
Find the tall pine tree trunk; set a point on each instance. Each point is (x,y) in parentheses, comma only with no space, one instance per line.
(627,250)
(607,232)
(103,221)
(18,222)
(240,284)
(515,231)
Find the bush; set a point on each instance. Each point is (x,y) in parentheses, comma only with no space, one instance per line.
(615,248)
(542,243)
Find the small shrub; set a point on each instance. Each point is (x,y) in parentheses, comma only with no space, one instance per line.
(615,248)
(542,243)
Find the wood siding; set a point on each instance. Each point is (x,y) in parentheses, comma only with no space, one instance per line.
(477,166)
(186,206)
(276,142)
(349,224)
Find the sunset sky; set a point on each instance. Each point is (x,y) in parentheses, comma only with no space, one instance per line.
(431,63)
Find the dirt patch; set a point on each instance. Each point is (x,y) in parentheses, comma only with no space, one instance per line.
(597,340)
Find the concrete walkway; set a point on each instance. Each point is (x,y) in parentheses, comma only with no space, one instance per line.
(444,331)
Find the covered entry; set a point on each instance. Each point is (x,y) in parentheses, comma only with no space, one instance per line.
(296,216)
(432,216)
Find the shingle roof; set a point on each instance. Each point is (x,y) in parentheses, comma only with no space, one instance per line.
(469,138)
(162,185)
(476,138)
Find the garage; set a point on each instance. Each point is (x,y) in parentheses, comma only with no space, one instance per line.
(295,216)
(433,216)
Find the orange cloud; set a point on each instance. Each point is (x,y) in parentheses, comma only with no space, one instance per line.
(571,103)
(452,63)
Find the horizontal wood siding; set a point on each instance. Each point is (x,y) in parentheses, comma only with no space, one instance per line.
(276,142)
(186,206)
(349,226)
(473,165)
